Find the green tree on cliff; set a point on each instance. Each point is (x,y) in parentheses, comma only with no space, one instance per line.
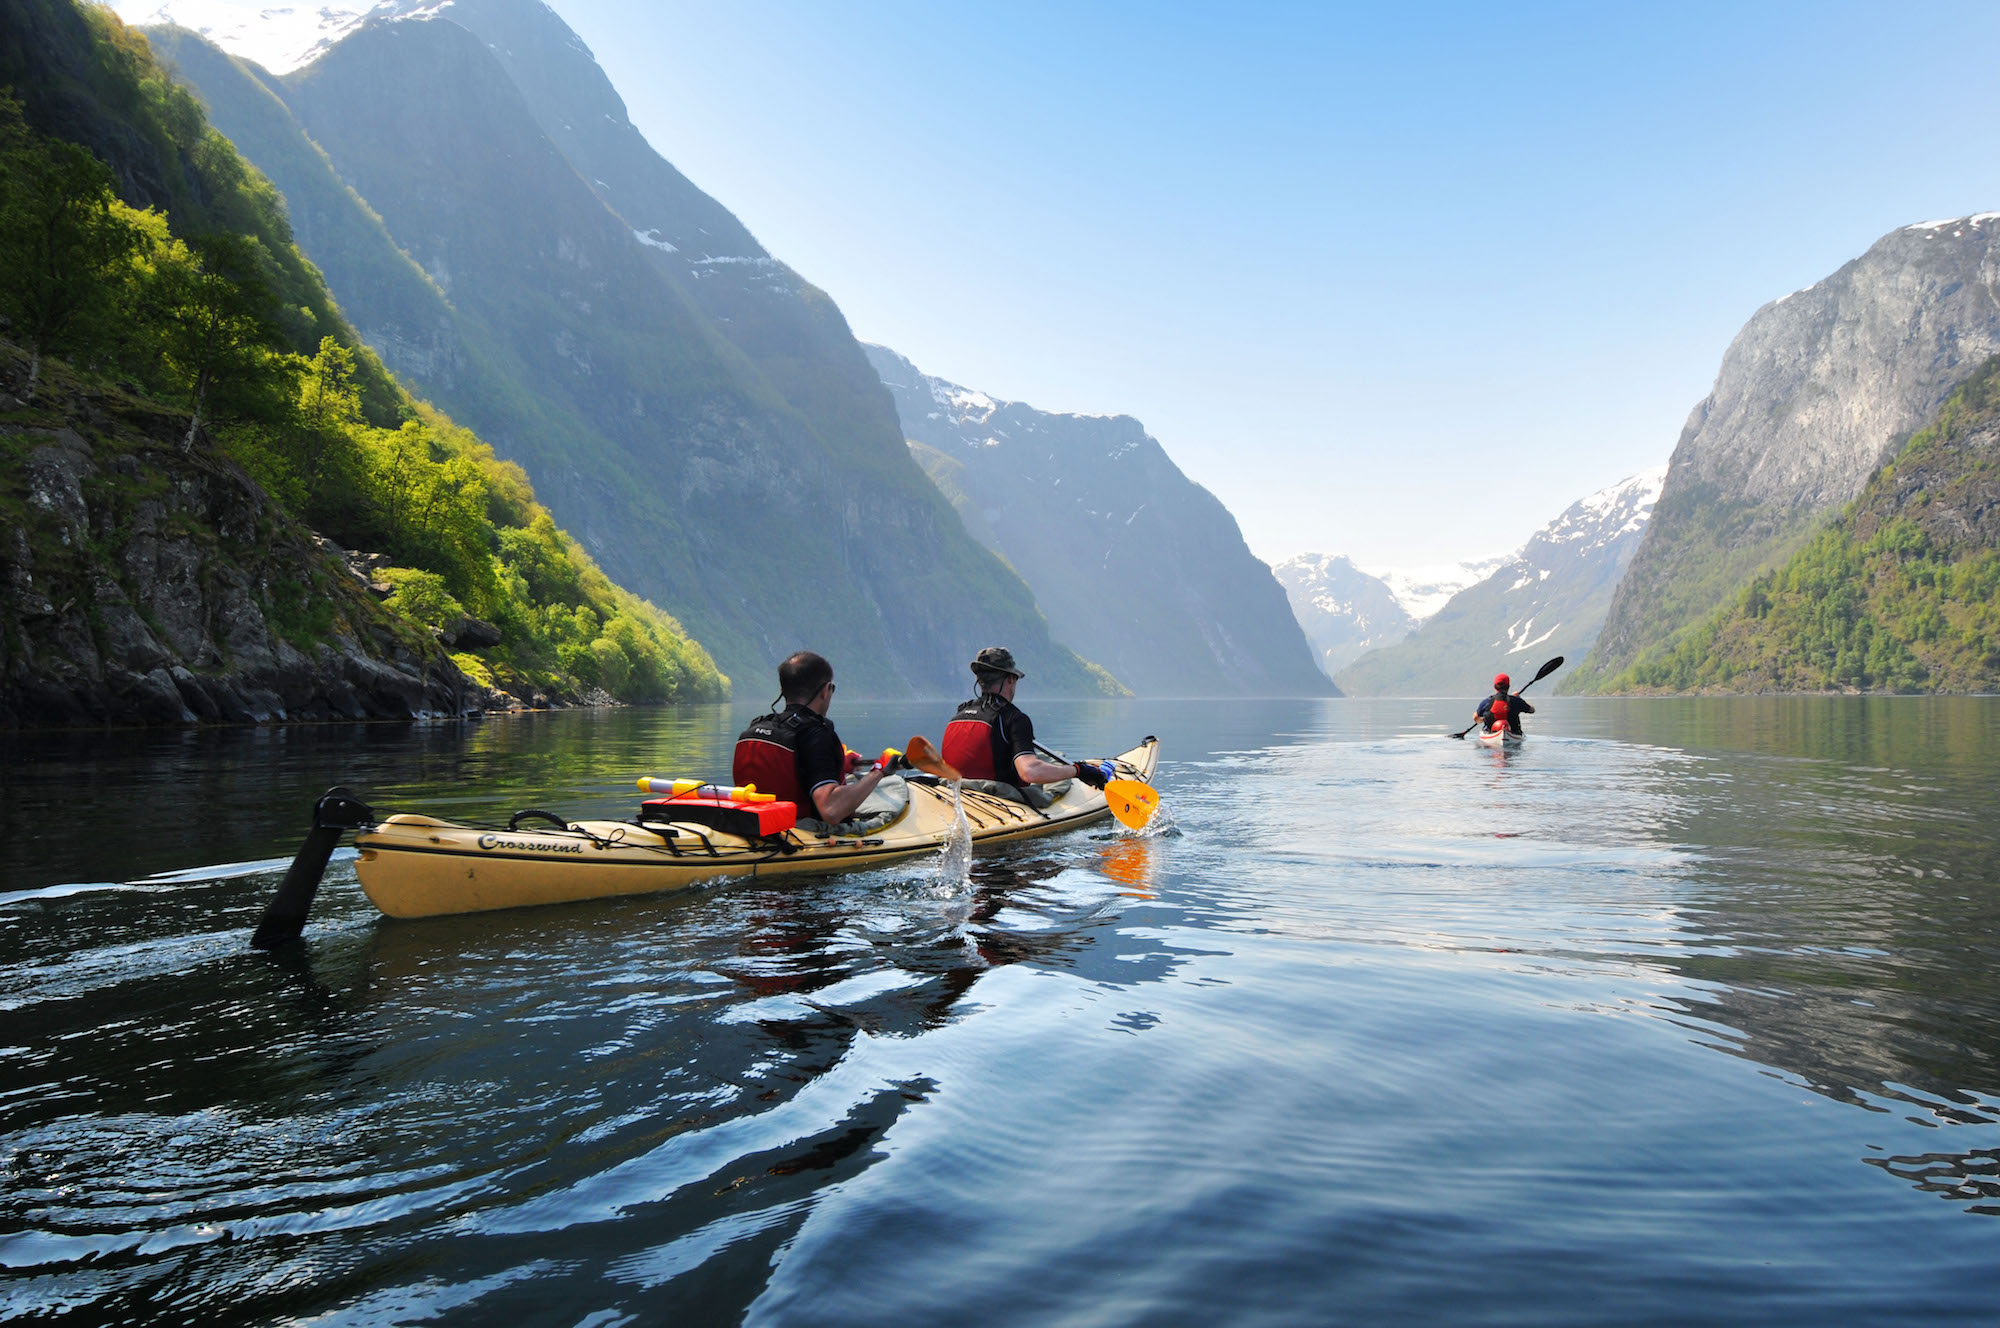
(62,234)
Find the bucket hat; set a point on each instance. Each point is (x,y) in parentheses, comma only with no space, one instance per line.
(996,659)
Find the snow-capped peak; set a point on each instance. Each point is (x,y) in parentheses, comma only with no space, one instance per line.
(1422,591)
(964,402)
(1976,220)
(1615,510)
(279,37)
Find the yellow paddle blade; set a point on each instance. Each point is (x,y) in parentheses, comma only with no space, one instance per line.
(1131,802)
(925,758)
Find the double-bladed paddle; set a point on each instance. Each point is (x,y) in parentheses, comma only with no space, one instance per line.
(1540,674)
(1131,801)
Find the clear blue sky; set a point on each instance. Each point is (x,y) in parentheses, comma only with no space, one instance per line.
(1348,264)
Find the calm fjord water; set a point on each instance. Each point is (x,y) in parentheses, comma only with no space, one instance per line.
(1686,1012)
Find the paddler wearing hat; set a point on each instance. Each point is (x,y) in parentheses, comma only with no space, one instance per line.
(1503,707)
(990,738)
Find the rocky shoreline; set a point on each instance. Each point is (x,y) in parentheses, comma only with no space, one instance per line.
(143,587)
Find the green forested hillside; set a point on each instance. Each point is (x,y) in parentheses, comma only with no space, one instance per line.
(693,410)
(1900,593)
(140,250)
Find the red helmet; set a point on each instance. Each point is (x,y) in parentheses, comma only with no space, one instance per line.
(1500,681)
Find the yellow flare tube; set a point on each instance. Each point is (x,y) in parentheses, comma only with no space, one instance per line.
(694,788)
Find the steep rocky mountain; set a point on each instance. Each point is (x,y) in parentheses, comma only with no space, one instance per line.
(1899,593)
(164,454)
(1344,611)
(1817,391)
(1549,599)
(1136,565)
(697,414)
(140,584)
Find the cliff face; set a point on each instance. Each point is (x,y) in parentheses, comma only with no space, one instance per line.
(1816,392)
(141,586)
(1899,593)
(1136,565)
(1548,599)
(698,416)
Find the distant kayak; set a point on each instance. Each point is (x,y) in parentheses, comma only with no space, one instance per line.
(1500,737)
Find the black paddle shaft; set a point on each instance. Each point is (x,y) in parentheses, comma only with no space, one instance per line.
(285,917)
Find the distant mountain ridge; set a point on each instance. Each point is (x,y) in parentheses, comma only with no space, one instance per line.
(698,415)
(1136,565)
(1816,392)
(1549,599)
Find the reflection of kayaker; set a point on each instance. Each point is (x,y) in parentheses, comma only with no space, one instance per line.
(992,740)
(421,866)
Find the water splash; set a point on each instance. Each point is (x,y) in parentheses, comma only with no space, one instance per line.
(954,859)
(1161,826)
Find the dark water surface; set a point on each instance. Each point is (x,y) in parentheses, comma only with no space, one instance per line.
(1686,1012)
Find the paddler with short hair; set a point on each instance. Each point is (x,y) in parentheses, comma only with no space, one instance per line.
(991,738)
(1503,707)
(797,756)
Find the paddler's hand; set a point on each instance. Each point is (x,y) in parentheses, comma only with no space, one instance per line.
(891,761)
(1095,773)
(853,762)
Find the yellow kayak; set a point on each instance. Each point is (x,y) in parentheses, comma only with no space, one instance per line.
(415,866)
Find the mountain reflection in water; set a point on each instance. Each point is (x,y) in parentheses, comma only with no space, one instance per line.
(1381,1027)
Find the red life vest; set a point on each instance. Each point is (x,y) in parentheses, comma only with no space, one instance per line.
(974,744)
(1500,712)
(767,755)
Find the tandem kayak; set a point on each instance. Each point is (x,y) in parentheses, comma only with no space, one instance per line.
(415,866)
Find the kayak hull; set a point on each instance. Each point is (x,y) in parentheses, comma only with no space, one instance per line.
(420,866)
(1499,738)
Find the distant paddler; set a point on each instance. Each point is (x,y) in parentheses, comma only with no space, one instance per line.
(796,756)
(990,738)
(1500,713)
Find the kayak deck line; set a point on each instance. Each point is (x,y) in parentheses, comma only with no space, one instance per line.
(412,865)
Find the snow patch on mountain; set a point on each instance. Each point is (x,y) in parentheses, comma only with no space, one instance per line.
(965,404)
(1976,220)
(1619,509)
(281,38)
(1422,591)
